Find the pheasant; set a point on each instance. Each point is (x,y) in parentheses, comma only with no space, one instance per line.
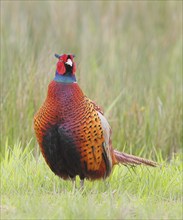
(72,132)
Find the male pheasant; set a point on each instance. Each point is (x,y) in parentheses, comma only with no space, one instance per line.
(72,132)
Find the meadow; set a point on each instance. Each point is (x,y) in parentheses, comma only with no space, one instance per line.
(129,61)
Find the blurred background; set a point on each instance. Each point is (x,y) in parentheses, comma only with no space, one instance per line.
(129,61)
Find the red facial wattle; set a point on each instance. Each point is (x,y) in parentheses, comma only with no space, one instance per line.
(74,68)
(61,67)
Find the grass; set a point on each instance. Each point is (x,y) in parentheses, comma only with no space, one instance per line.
(129,61)
(29,190)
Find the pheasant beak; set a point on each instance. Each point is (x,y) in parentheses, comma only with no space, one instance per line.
(69,62)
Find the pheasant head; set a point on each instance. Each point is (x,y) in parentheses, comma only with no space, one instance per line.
(65,69)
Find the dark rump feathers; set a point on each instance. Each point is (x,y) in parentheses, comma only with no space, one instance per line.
(61,152)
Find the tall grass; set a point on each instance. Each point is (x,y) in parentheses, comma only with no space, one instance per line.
(132,48)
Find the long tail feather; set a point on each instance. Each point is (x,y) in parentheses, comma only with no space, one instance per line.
(128,159)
